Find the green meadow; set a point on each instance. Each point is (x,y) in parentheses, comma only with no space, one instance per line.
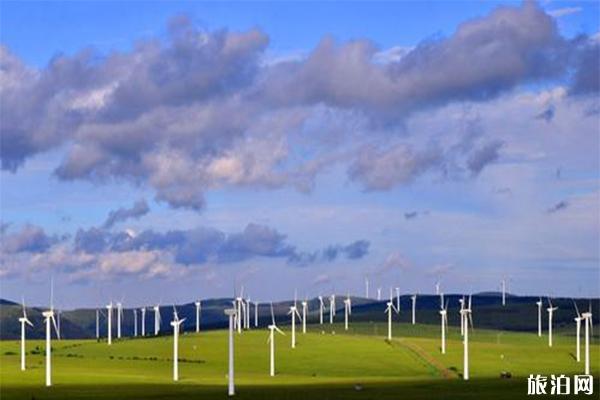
(327,363)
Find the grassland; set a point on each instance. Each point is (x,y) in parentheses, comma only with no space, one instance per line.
(358,364)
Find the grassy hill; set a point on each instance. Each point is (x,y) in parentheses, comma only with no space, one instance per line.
(328,363)
(520,314)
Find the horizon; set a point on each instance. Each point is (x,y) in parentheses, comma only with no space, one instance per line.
(159,150)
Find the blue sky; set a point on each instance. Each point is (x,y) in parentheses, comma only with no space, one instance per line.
(468,171)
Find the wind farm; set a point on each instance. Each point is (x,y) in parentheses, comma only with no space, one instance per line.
(299,200)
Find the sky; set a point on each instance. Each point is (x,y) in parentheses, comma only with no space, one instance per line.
(168,151)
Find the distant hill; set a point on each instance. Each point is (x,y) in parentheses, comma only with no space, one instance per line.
(519,314)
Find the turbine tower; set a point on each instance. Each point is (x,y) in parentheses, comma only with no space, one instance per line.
(414,307)
(462,321)
(444,315)
(304,311)
(379,294)
(503,292)
(272,328)
(143,321)
(366,288)
(256,314)
(109,307)
(467,318)
(119,315)
(390,308)
(198,305)
(157,319)
(135,322)
(230,312)
(578,320)
(587,318)
(321,306)
(176,324)
(97,324)
(331,308)
(397,300)
(347,311)
(550,314)
(24,321)
(293,312)
(539,306)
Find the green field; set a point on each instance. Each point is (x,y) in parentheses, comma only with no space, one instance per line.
(358,364)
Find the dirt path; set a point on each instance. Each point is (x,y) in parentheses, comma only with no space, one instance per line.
(426,358)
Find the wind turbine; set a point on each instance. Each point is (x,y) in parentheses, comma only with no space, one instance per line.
(109,307)
(24,321)
(240,306)
(143,321)
(379,294)
(157,319)
(331,308)
(198,306)
(304,310)
(366,288)
(587,318)
(444,315)
(539,306)
(135,322)
(414,306)
(293,312)
(119,315)
(550,314)
(272,328)
(48,318)
(321,306)
(388,310)
(230,312)
(467,317)
(347,310)
(176,324)
(578,320)
(503,292)
(256,314)
(247,314)
(397,300)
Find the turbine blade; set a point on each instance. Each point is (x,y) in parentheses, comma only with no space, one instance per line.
(279,330)
(55,327)
(576,308)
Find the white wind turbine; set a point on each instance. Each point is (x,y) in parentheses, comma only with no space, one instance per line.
(539,306)
(176,324)
(272,328)
(157,319)
(466,316)
(240,310)
(331,308)
(347,310)
(256,314)
(198,306)
(390,308)
(379,294)
(24,321)
(503,292)
(293,312)
(444,315)
(397,300)
(578,320)
(109,307)
(550,314)
(230,312)
(321,306)
(414,307)
(143,321)
(587,318)
(135,322)
(119,316)
(50,320)
(304,311)
(247,314)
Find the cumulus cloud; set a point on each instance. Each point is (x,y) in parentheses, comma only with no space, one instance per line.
(352,251)
(139,209)
(200,110)
(30,239)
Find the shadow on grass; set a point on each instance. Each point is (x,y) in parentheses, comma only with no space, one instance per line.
(425,390)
